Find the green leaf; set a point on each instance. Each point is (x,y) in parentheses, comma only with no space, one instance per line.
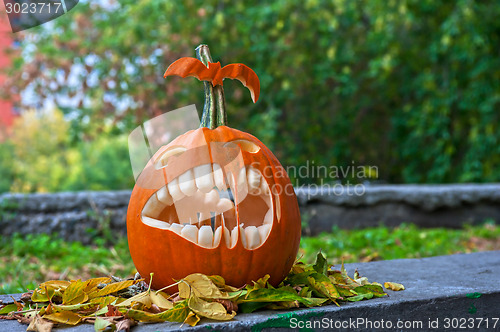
(177,314)
(8,308)
(323,287)
(279,295)
(102,324)
(321,266)
(376,290)
(247,307)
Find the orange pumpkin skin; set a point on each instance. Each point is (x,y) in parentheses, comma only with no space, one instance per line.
(171,257)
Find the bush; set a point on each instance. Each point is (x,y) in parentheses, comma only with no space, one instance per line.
(412,87)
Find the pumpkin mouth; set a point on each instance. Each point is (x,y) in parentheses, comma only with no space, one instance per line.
(207,206)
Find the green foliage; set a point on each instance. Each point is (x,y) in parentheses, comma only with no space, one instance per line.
(6,166)
(412,87)
(405,241)
(40,158)
(27,261)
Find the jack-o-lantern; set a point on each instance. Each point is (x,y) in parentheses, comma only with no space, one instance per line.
(215,200)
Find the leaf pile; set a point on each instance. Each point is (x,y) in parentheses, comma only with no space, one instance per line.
(120,304)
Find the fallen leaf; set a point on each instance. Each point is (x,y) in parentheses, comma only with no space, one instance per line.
(8,308)
(111,288)
(376,290)
(228,304)
(112,311)
(279,295)
(125,325)
(192,319)
(91,284)
(161,300)
(212,310)
(102,324)
(55,284)
(74,293)
(221,283)
(177,314)
(38,324)
(200,285)
(321,265)
(64,317)
(348,280)
(394,286)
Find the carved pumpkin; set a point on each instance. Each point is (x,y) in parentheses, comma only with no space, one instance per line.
(216,201)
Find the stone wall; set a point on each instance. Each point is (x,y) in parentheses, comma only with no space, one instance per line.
(83,215)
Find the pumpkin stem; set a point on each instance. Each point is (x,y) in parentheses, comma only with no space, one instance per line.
(208,116)
(214,96)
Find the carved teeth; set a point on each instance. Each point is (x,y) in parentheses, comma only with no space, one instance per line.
(190,232)
(242,181)
(211,200)
(234,236)
(253,179)
(243,237)
(187,184)
(153,207)
(205,237)
(174,190)
(155,223)
(204,178)
(164,196)
(176,228)
(264,231)
(197,202)
(224,205)
(268,218)
(252,237)
(220,183)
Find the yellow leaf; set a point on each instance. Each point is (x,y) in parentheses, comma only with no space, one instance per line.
(192,319)
(43,294)
(143,298)
(111,288)
(221,283)
(394,286)
(90,284)
(212,310)
(64,317)
(200,285)
(55,284)
(74,293)
(161,300)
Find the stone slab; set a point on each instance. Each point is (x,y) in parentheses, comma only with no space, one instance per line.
(437,290)
(83,215)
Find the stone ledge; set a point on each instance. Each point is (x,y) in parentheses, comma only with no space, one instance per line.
(71,214)
(436,288)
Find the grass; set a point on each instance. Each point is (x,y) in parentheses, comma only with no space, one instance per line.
(27,261)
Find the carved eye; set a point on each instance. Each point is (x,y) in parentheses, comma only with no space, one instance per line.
(245,145)
(162,160)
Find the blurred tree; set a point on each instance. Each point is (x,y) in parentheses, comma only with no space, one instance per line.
(410,86)
(39,158)
(38,139)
